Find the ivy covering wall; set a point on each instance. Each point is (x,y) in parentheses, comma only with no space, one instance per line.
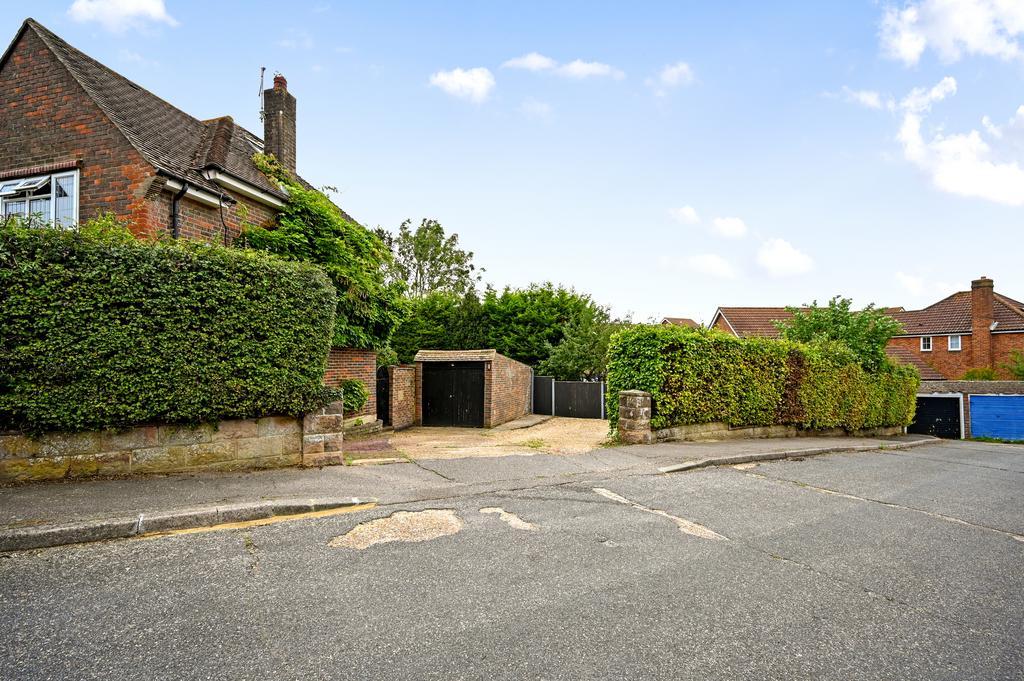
(705,376)
(103,331)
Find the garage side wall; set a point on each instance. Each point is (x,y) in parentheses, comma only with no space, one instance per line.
(507,386)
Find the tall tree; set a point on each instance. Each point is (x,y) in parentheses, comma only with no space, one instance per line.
(583,352)
(428,261)
(866,332)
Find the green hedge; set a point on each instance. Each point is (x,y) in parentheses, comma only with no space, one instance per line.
(704,376)
(102,331)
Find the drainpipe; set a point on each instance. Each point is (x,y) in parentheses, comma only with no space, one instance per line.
(224,225)
(174,208)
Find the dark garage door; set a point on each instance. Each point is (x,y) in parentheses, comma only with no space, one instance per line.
(938,416)
(1000,416)
(453,394)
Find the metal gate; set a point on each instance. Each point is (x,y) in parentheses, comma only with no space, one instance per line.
(576,399)
(938,416)
(453,394)
(383,396)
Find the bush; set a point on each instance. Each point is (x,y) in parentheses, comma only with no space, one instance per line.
(980,374)
(355,395)
(103,331)
(704,376)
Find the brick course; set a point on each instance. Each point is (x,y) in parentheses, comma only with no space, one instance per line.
(358,364)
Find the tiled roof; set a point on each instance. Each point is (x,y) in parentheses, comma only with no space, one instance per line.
(953,315)
(755,321)
(681,321)
(904,356)
(170,140)
(455,355)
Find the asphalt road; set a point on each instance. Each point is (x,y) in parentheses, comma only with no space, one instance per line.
(876,565)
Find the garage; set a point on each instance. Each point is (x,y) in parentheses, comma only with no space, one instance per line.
(940,416)
(997,416)
(470,388)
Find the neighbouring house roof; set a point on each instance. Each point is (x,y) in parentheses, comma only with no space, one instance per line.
(455,355)
(752,321)
(905,356)
(681,321)
(172,141)
(952,315)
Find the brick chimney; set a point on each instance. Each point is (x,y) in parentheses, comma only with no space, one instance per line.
(279,123)
(981,322)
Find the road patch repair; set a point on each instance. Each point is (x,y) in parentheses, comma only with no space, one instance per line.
(403,526)
(163,523)
(510,518)
(685,526)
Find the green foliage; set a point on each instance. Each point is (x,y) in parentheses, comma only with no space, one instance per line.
(386,357)
(866,332)
(354,395)
(980,374)
(312,229)
(583,352)
(1016,365)
(103,331)
(427,261)
(703,376)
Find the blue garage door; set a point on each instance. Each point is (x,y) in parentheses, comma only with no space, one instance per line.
(999,416)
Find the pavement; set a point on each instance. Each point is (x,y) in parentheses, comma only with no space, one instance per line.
(50,514)
(881,564)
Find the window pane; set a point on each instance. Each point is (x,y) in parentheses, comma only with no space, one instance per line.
(14,208)
(40,209)
(65,196)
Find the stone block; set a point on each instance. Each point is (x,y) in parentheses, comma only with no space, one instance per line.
(275,445)
(133,438)
(237,429)
(252,464)
(19,447)
(324,459)
(181,457)
(105,463)
(184,435)
(325,423)
(279,425)
(334,408)
(333,442)
(68,444)
(312,444)
(33,469)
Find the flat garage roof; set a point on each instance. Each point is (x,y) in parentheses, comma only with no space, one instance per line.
(455,355)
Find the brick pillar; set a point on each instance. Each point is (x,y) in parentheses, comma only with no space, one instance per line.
(635,417)
(981,323)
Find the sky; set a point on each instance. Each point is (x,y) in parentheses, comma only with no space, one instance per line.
(665,157)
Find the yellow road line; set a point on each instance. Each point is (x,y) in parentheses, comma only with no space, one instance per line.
(259,522)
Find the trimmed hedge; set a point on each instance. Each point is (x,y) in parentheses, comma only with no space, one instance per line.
(103,331)
(704,376)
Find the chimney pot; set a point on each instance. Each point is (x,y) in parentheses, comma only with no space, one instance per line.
(280,82)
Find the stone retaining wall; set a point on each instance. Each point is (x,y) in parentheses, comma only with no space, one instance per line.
(249,444)
(635,426)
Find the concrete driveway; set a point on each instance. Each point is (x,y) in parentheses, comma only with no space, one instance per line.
(871,565)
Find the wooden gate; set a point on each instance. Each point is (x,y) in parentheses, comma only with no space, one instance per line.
(453,394)
(575,399)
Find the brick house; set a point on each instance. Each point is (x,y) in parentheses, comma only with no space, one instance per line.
(969,329)
(81,140)
(680,321)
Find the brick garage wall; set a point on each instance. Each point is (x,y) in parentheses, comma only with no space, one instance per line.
(358,364)
(402,384)
(507,387)
(419,394)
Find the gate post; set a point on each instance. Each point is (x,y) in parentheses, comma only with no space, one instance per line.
(635,417)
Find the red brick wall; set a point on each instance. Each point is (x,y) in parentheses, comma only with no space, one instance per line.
(419,394)
(47,118)
(402,385)
(507,387)
(952,365)
(1002,345)
(722,325)
(354,363)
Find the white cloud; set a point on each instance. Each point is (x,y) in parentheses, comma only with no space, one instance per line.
(119,15)
(953,28)
(731,228)
(472,84)
(961,163)
(532,61)
(296,40)
(534,108)
(686,215)
(670,76)
(867,98)
(587,69)
(711,265)
(919,286)
(780,258)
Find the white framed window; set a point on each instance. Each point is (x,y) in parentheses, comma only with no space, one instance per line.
(46,198)
(953,343)
(926,343)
